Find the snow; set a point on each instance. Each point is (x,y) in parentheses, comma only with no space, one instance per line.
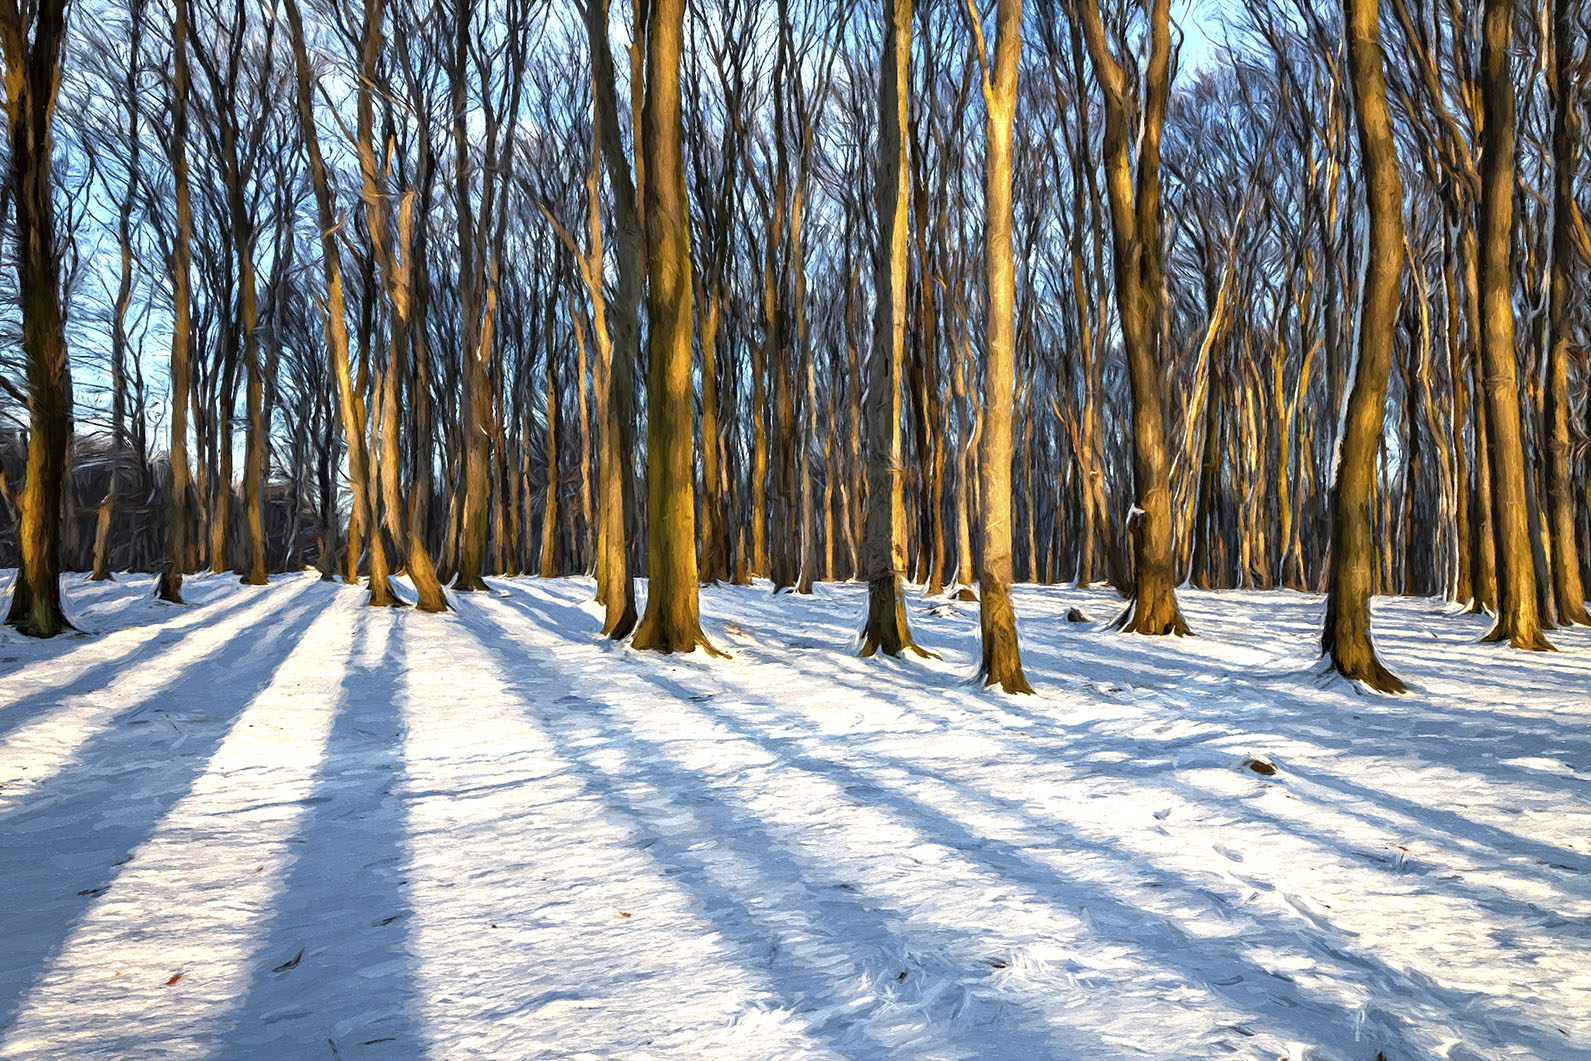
(276,824)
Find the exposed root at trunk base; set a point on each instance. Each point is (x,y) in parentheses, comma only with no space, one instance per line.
(1528,640)
(1363,668)
(1002,659)
(668,638)
(382,595)
(886,629)
(427,587)
(1156,618)
(619,627)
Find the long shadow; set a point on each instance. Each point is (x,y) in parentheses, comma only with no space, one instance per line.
(1175,947)
(340,926)
(19,712)
(1283,723)
(780,879)
(1009,856)
(1375,808)
(56,859)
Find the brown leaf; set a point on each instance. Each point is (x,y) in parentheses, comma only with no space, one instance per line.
(623,914)
(174,979)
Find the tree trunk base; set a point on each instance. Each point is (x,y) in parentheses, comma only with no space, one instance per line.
(383,596)
(1156,616)
(886,629)
(426,585)
(1528,640)
(35,616)
(1361,665)
(666,637)
(620,622)
(1002,658)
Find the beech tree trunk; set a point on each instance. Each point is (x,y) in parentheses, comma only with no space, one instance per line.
(31,76)
(885,629)
(1135,236)
(407,534)
(359,520)
(1002,659)
(1518,619)
(616,492)
(1567,589)
(178,518)
(1346,636)
(671,622)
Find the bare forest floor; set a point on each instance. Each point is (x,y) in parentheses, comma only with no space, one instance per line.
(275,824)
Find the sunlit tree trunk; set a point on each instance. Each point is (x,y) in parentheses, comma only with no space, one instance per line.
(381,593)
(32,75)
(1518,620)
(406,534)
(1346,636)
(1567,589)
(1002,660)
(1134,194)
(885,629)
(616,492)
(671,622)
(178,520)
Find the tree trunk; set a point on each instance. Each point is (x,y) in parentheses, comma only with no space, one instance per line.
(1346,635)
(1567,589)
(1135,232)
(617,488)
(32,74)
(886,629)
(1002,660)
(1518,620)
(381,593)
(671,622)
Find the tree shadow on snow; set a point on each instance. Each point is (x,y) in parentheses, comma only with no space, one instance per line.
(334,965)
(63,848)
(848,965)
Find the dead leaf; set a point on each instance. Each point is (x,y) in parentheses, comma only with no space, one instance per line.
(174,979)
(291,963)
(623,914)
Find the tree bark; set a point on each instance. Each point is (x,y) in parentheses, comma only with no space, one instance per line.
(1567,589)
(1346,636)
(1002,659)
(381,593)
(1518,620)
(1135,232)
(671,622)
(617,471)
(32,75)
(886,629)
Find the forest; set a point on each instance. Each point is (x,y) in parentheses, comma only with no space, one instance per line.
(795,528)
(704,292)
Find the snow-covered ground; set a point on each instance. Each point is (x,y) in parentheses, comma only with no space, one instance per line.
(276,824)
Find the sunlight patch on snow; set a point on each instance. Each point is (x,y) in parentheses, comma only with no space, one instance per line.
(173,935)
(65,719)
